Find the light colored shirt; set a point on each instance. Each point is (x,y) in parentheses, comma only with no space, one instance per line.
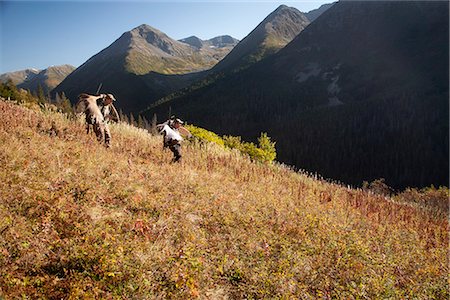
(171,134)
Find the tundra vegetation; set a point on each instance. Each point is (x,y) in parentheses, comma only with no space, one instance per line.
(78,220)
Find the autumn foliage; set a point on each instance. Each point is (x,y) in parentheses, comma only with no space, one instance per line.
(78,220)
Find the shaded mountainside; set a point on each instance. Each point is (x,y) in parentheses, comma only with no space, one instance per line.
(142,65)
(78,220)
(272,34)
(361,93)
(31,79)
(315,13)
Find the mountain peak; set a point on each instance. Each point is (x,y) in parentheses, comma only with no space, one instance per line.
(315,13)
(145,28)
(281,7)
(193,41)
(273,33)
(146,31)
(223,41)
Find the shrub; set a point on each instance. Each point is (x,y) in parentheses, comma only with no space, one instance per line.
(205,135)
(264,153)
(378,186)
(267,146)
(430,198)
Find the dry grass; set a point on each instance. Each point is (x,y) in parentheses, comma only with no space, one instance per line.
(78,220)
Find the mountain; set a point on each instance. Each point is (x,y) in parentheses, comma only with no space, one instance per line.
(361,93)
(18,77)
(272,34)
(82,221)
(148,49)
(48,78)
(193,41)
(139,67)
(217,47)
(31,79)
(223,41)
(315,13)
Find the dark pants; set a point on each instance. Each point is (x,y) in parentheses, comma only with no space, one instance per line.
(176,149)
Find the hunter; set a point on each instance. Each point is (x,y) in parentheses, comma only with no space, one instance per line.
(172,130)
(98,111)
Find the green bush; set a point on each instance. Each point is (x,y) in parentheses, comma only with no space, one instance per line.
(264,152)
(267,147)
(205,135)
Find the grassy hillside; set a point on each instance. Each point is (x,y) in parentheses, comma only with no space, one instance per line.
(78,220)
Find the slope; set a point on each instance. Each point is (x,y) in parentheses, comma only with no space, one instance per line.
(79,220)
(361,93)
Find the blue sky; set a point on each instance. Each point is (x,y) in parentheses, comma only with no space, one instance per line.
(38,34)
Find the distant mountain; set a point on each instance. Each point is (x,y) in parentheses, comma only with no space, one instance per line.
(18,77)
(193,41)
(361,93)
(272,34)
(30,79)
(147,49)
(217,47)
(48,78)
(223,41)
(139,67)
(315,13)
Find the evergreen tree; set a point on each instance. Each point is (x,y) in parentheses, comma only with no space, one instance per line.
(140,122)
(40,94)
(9,91)
(63,103)
(123,117)
(132,120)
(153,129)
(267,146)
(146,123)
